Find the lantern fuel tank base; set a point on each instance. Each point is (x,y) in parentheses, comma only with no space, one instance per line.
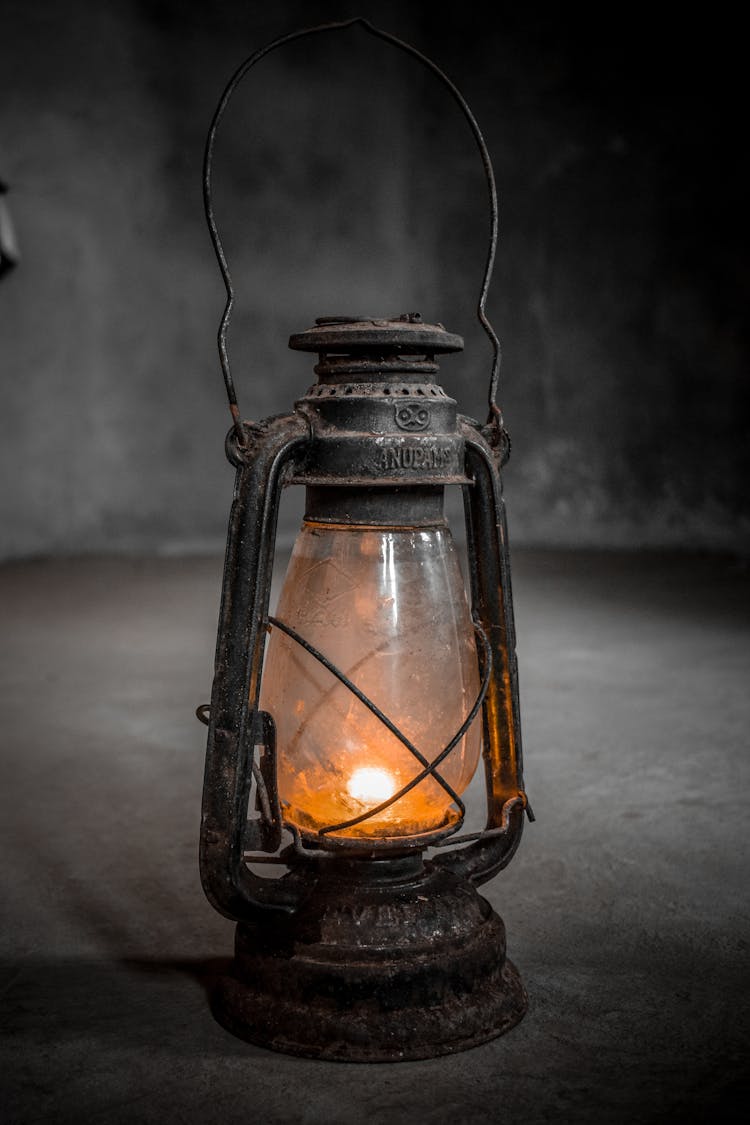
(369,972)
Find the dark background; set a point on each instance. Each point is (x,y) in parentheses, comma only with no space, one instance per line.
(347,183)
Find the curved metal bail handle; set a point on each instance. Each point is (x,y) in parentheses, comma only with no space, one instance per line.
(495,417)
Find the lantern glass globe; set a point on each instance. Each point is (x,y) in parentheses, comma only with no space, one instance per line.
(387,607)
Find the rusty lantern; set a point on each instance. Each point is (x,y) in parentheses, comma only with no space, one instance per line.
(344,728)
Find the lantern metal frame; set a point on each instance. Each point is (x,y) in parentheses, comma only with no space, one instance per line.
(321,967)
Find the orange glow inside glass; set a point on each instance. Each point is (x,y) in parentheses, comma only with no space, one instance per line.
(387,606)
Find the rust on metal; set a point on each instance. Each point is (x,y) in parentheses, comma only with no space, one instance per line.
(304,978)
(364,950)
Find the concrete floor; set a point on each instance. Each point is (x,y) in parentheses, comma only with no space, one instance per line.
(626,906)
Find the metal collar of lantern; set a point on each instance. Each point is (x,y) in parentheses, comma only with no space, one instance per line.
(364,949)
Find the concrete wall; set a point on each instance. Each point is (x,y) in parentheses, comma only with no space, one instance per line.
(346,182)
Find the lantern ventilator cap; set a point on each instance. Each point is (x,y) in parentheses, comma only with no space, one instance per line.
(404,335)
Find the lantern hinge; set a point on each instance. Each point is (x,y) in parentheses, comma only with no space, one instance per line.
(263,833)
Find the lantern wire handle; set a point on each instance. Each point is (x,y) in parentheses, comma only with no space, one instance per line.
(495,416)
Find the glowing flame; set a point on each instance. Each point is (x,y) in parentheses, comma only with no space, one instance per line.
(371,786)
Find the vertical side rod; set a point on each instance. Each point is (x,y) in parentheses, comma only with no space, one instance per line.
(489,566)
(234,725)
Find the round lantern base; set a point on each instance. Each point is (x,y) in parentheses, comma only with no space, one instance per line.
(374,969)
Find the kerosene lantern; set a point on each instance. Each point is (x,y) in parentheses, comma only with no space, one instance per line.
(345,726)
